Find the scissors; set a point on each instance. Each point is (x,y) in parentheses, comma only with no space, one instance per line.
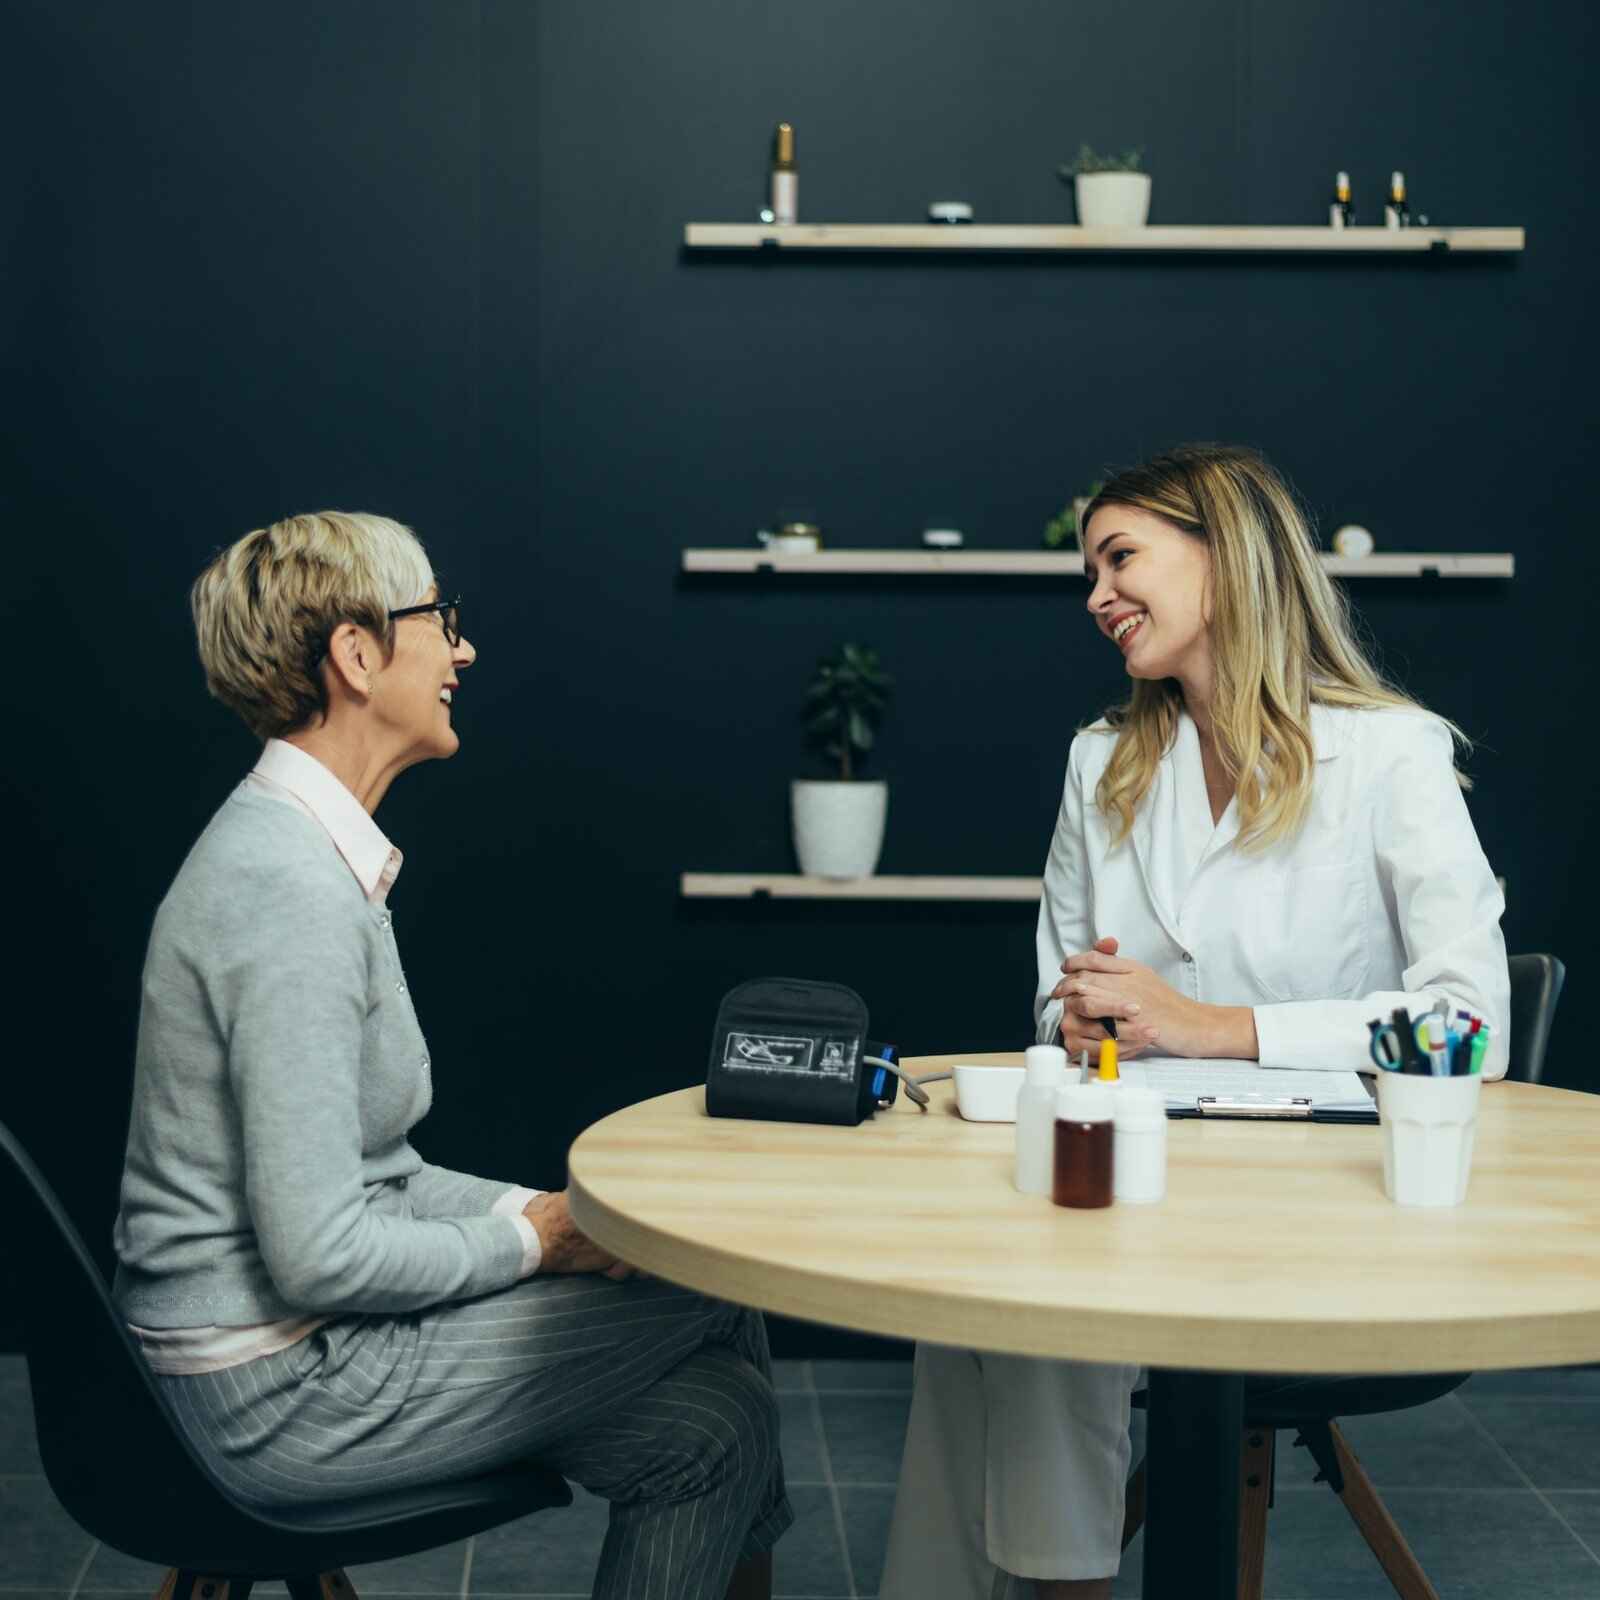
(1384,1047)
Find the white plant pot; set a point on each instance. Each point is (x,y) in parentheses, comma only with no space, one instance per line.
(838,827)
(1113,199)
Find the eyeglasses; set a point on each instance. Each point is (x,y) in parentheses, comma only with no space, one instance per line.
(449,615)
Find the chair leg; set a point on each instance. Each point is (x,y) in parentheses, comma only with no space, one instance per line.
(1378,1528)
(1255,1498)
(327,1586)
(182,1585)
(1133,1505)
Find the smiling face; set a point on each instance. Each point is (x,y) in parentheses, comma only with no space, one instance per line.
(1149,593)
(414,691)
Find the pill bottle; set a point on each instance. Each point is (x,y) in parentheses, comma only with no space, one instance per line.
(1139,1144)
(1036,1117)
(1084,1155)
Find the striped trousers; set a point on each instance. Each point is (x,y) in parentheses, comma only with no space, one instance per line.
(649,1395)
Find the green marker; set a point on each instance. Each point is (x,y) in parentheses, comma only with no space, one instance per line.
(1480,1043)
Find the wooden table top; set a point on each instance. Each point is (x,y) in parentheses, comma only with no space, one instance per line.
(1274,1251)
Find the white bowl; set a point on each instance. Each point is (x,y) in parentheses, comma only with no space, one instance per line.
(988,1094)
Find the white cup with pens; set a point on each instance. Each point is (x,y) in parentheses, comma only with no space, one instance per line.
(1428,1089)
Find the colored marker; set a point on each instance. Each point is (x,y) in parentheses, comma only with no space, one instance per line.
(1108,1061)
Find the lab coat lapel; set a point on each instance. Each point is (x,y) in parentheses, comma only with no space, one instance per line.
(1327,741)
(1153,854)
(1177,810)
(1192,808)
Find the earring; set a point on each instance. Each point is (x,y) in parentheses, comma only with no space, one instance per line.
(369,685)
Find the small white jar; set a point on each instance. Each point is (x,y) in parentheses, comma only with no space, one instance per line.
(1139,1130)
(1036,1117)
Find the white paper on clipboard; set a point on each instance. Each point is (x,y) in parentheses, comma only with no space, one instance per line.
(1183,1081)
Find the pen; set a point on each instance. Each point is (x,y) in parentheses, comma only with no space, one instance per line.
(1109,1024)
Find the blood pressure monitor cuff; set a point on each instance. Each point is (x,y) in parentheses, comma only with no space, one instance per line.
(796,1050)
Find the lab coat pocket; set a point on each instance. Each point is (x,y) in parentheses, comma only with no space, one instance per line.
(1308,930)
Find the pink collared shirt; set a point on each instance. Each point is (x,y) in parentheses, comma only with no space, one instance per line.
(288,774)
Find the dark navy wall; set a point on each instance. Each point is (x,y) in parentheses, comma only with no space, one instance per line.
(426,259)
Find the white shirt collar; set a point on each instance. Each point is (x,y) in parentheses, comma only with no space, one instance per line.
(287,772)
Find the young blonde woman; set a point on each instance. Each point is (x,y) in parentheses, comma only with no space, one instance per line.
(1263,849)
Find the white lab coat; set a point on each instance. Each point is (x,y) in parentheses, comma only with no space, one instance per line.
(1382,899)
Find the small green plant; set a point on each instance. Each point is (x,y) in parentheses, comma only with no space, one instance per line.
(1062,528)
(1087,161)
(844,704)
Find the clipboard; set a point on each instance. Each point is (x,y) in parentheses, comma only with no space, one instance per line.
(1217,1090)
(1267,1108)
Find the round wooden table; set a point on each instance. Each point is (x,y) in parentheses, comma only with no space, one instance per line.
(1274,1251)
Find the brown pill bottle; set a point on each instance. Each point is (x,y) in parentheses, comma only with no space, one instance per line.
(1083,1170)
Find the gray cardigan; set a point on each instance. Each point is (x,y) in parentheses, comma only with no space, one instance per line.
(280,1068)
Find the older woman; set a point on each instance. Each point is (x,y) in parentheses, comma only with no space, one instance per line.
(1265,847)
(328,1313)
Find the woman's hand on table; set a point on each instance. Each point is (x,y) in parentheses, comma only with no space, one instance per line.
(563,1247)
(1147,1009)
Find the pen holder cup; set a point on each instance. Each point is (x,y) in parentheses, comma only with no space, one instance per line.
(1428,1128)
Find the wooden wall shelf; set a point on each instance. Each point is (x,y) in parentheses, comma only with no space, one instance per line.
(1028,237)
(1061,564)
(791,886)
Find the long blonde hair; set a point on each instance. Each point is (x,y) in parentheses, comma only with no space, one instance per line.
(1281,640)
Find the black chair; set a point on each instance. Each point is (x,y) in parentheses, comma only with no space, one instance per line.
(124,1471)
(1310,1405)
(1535,988)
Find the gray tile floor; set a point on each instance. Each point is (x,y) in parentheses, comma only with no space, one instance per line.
(1497,1487)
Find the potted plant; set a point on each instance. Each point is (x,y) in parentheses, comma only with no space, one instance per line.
(1063,528)
(838,821)
(1112,191)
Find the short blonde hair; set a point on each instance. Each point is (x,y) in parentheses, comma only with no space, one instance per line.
(1282,640)
(266,607)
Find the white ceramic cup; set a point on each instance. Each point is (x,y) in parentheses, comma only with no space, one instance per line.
(987,1094)
(1428,1128)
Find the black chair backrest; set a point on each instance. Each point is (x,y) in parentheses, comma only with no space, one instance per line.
(1535,988)
(113,1454)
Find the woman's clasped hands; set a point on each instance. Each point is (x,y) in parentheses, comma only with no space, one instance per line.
(1147,1010)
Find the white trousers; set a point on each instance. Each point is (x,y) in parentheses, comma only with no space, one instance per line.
(1012,1468)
